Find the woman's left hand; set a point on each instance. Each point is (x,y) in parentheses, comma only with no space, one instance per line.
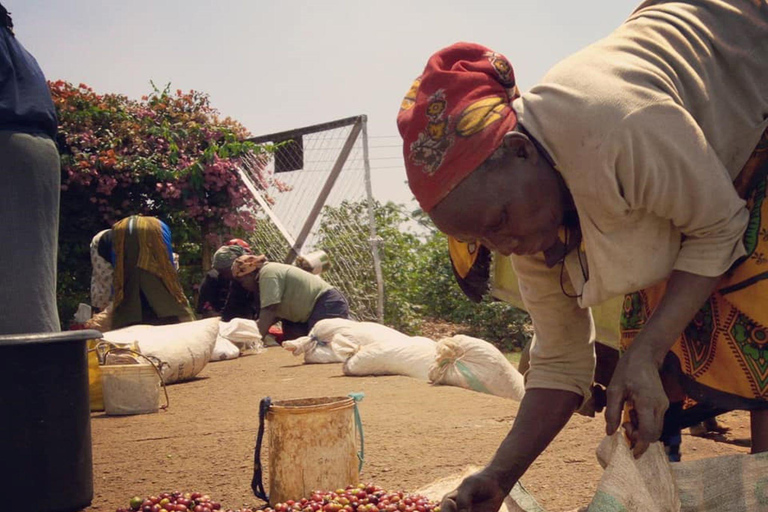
(636,383)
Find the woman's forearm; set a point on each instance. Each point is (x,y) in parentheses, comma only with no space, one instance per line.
(267,318)
(543,413)
(686,293)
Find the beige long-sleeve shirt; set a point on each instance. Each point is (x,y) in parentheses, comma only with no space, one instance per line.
(648,128)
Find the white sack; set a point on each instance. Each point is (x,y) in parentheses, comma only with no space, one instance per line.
(370,348)
(314,351)
(185,348)
(318,348)
(361,333)
(224,350)
(729,483)
(475,364)
(244,334)
(393,355)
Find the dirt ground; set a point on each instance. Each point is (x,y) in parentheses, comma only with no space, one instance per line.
(415,433)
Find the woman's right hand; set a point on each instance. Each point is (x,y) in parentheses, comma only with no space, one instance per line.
(481,492)
(542,414)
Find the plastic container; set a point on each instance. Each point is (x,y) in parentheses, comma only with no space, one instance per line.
(315,262)
(45,427)
(96,353)
(130,389)
(311,446)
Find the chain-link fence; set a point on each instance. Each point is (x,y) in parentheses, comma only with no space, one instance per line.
(318,205)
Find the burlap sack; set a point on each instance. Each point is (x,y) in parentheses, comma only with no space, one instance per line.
(733,483)
(634,485)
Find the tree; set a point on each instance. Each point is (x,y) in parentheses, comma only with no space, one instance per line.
(166,155)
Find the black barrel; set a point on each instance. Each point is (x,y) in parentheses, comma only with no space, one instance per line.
(45,423)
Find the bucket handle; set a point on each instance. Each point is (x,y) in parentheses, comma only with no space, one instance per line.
(157,366)
(358,397)
(257,483)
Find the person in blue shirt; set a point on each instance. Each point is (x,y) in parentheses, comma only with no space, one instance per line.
(29,191)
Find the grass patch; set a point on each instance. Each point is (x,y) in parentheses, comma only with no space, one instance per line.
(513,357)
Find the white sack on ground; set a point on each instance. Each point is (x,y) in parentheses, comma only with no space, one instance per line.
(360,333)
(318,348)
(224,350)
(244,334)
(314,351)
(185,348)
(391,355)
(370,348)
(475,364)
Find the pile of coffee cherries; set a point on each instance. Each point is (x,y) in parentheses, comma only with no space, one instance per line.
(359,498)
(173,501)
(355,498)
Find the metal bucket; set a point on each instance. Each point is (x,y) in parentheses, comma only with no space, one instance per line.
(45,424)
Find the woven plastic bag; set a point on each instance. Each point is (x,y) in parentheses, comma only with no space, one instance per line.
(732,483)
(408,356)
(369,348)
(314,350)
(634,485)
(184,348)
(244,334)
(475,364)
(358,333)
(224,350)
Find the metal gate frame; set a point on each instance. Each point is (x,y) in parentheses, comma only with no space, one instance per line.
(359,128)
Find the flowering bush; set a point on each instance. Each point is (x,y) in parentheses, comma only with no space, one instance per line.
(168,155)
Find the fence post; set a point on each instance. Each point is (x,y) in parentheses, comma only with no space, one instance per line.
(375,240)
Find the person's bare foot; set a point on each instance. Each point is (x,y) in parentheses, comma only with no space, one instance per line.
(698,430)
(712,425)
(708,427)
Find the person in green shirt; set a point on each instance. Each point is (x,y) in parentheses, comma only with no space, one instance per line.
(288,294)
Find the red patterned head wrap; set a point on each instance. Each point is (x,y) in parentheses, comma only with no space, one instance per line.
(454,117)
(242,243)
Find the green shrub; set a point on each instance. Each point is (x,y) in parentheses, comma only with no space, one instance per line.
(418,280)
(494,321)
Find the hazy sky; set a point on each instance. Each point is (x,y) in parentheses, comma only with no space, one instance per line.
(285,64)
